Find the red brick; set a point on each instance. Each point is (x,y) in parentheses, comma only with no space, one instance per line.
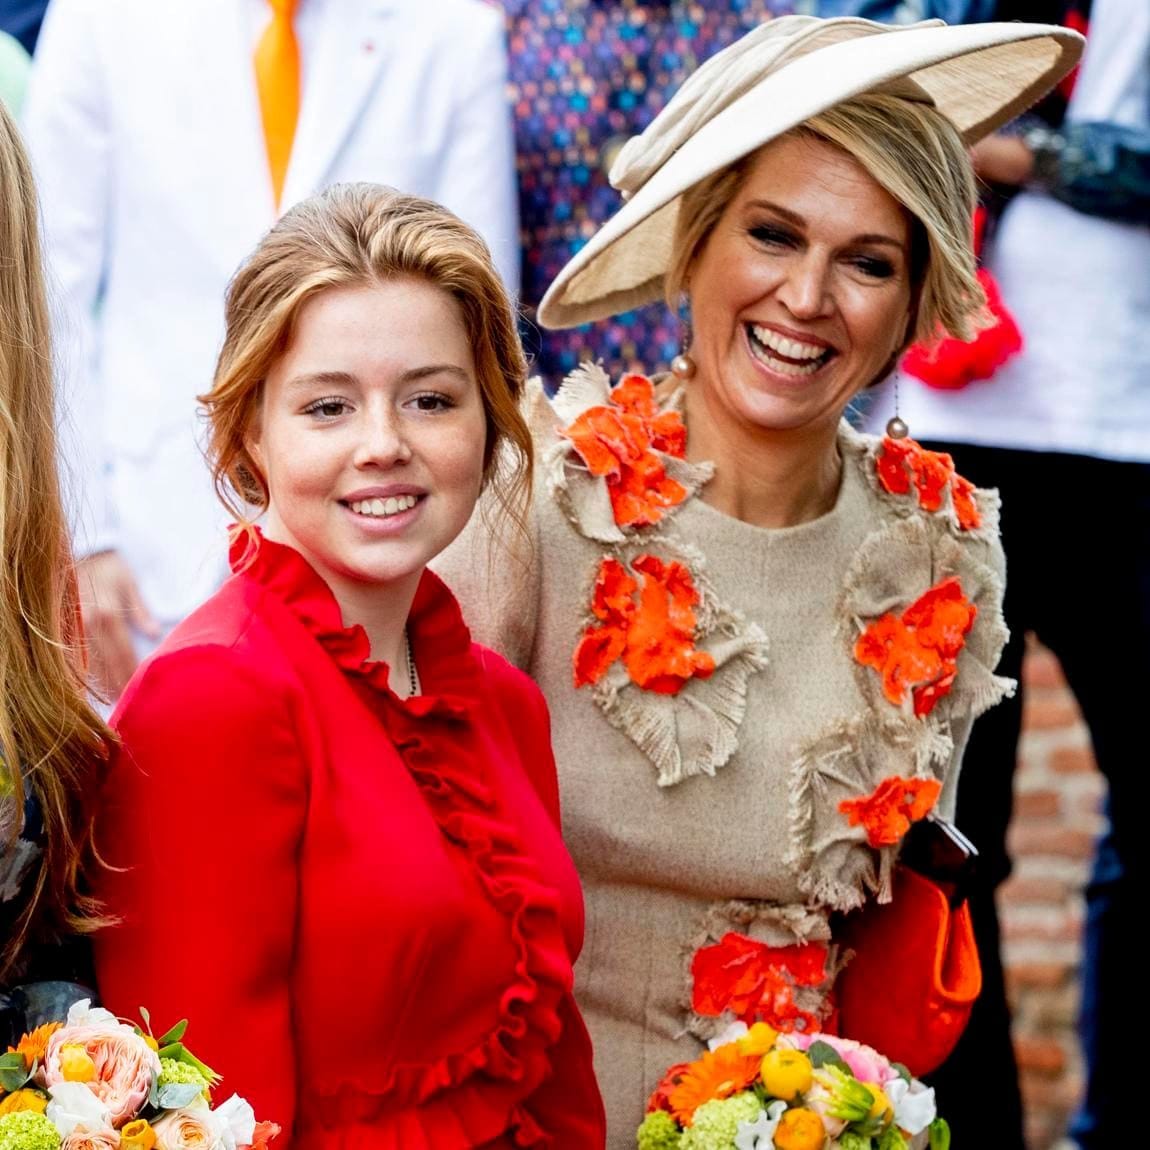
(1073,760)
(1037,889)
(1050,712)
(1062,928)
(1040,1056)
(1047,839)
(1041,669)
(1039,975)
(1037,804)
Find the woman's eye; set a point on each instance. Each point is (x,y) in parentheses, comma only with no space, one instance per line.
(432,401)
(329,408)
(774,237)
(874,266)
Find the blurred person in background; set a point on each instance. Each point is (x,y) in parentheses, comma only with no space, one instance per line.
(167,137)
(52,744)
(586,75)
(21,20)
(1064,420)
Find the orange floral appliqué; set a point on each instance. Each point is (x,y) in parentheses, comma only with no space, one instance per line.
(618,441)
(650,627)
(715,1074)
(903,461)
(756,982)
(918,650)
(891,807)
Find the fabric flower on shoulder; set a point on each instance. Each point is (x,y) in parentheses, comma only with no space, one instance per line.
(917,480)
(618,465)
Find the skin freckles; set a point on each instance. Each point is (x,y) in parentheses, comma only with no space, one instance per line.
(374,407)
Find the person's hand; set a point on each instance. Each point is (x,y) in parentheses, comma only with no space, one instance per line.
(1003,160)
(112,608)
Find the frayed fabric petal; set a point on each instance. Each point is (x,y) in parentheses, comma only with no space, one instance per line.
(834,857)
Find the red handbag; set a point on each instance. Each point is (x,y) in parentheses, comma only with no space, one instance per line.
(909,987)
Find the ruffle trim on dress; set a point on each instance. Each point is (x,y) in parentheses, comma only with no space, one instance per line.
(454,1103)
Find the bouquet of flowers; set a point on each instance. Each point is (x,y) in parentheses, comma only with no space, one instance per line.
(757,1089)
(96,1083)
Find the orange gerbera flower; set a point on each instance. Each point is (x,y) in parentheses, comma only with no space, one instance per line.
(34,1045)
(717,1074)
(654,634)
(901,462)
(918,650)
(891,807)
(618,441)
(756,982)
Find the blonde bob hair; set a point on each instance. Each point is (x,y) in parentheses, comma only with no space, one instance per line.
(349,236)
(52,742)
(913,152)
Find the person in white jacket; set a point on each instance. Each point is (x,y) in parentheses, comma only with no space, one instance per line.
(143,119)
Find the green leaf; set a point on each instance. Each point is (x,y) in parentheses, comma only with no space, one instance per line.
(14,1071)
(175,1034)
(824,1054)
(902,1072)
(939,1135)
(176,1095)
(154,1092)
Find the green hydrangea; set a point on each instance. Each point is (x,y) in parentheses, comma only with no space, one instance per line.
(852,1140)
(176,1073)
(659,1131)
(26,1130)
(892,1139)
(717,1122)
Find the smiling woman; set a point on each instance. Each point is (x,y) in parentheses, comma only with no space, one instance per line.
(386,915)
(763,637)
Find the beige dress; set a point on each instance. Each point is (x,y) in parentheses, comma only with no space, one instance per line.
(725,713)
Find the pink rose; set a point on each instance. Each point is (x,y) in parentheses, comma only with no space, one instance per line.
(124,1064)
(81,1140)
(194,1129)
(865,1063)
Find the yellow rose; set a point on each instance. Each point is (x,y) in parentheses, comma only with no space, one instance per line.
(24,1100)
(786,1074)
(758,1040)
(76,1063)
(138,1135)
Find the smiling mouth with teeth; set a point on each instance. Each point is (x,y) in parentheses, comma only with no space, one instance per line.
(381,508)
(786,356)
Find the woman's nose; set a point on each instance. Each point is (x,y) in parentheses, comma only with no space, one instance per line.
(382,442)
(805,292)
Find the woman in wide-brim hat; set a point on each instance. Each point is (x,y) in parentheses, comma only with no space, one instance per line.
(763,637)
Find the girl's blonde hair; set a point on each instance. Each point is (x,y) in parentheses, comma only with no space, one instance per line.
(50,737)
(357,235)
(917,155)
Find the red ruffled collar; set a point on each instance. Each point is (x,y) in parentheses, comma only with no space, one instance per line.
(449,673)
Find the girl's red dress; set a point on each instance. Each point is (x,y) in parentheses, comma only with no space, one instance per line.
(362,904)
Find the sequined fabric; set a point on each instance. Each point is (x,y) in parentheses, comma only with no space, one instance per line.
(585,76)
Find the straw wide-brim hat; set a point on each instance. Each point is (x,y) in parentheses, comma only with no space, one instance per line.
(777,76)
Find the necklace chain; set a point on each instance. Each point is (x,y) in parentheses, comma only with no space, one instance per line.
(412,674)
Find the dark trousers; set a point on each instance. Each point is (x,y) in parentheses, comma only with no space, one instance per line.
(1076,531)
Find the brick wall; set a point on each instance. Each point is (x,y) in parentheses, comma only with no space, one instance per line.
(1058,795)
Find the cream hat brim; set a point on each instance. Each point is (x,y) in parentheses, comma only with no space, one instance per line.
(978,75)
